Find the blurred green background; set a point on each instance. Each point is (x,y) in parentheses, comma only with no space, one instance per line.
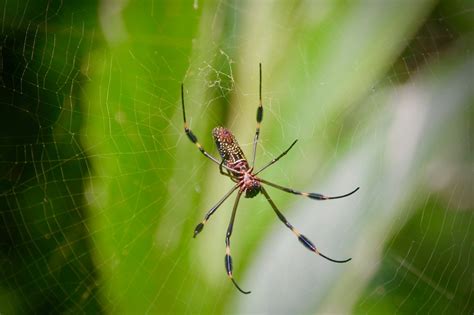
(100,190)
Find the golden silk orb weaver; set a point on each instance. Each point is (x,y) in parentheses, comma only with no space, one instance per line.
(235,165)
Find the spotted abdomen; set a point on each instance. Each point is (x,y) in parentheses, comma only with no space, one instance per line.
(227,145)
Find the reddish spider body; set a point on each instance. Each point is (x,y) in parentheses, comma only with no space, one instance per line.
(238,169)
(233,157)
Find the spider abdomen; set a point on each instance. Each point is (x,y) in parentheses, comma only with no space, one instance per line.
(234,159)
(228,146)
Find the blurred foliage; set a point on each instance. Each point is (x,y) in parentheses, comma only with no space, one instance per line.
(101,190)
(430,269)
(45,250)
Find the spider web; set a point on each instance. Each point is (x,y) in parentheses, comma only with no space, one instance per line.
(101,190)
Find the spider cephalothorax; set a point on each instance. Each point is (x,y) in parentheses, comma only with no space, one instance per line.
(237,168)
(250,184)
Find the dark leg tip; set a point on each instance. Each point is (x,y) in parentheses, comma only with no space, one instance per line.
(334,260)
(238,288)
(198,229)
(342,196)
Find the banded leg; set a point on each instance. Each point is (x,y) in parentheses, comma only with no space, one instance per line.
(306,194)
(228,257)
(259,117)
(303,239)
(277,158)
(193,137)
(200,226)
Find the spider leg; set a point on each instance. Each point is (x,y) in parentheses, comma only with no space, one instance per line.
(303,239)
(232,178)
(192,136)
(200,226)
(228,258)
(228,174)
(277,158)
(306,194)
(259,118)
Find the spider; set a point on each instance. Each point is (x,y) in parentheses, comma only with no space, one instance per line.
(238,169)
